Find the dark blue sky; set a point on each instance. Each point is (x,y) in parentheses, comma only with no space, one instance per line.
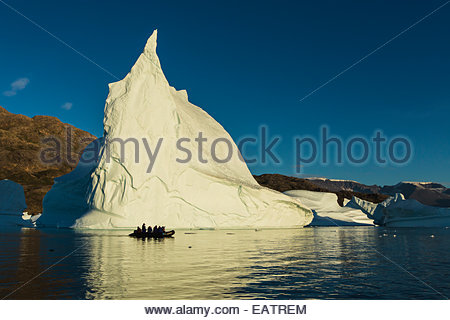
(248,64)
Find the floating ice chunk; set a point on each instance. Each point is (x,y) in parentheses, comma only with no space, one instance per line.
(31,218)
(411,213)
(398,212)
(374,211)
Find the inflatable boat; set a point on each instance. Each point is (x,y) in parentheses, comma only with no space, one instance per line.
(167,234)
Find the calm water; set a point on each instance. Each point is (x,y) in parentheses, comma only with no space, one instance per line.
(327,262)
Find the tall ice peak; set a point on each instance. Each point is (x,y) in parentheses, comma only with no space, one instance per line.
(150,48)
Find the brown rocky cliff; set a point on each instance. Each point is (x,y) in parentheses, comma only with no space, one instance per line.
(23,148)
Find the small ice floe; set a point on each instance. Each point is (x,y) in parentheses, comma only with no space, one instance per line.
(31,218)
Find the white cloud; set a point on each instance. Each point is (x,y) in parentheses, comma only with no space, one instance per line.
(67,106)
(9,93)
(16,86)
(20,84)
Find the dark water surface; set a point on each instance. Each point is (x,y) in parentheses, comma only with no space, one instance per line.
(322,262)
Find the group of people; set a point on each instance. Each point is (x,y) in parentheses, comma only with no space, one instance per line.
(157,231)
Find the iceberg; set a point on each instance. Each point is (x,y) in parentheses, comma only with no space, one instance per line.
(12,206)
(375,211)
(327,211)
(412,213)
(122,188)
(397,211)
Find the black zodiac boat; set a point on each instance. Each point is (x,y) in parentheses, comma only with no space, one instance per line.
(167,234)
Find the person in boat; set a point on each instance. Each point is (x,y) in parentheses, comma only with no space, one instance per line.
(163,229)
(160,231)
(144,230)
(155,231)
(138,230)
(149,231)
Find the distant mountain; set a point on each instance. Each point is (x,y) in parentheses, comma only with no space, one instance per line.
(428,193)
(343,189)
(21,144)
(335,185)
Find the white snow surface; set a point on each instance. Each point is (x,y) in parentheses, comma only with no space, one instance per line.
(12,205)
(120,193)
(327,211)
(328,179)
